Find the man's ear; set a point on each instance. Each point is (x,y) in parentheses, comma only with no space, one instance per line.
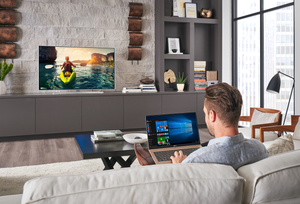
(212,116)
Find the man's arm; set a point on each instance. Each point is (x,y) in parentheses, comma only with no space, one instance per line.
(178,157)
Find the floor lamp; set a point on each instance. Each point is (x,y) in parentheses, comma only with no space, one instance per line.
(274,87)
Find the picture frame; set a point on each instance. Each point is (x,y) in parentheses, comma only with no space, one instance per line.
(173,45)
(190,10)
(180,4)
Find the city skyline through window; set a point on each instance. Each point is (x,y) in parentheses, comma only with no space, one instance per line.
(264,44)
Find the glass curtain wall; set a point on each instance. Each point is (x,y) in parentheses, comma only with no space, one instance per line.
(263,44)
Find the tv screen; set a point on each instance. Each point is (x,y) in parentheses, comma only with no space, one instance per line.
(76,68)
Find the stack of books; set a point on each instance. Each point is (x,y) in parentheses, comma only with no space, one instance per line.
(131,89)
(148,87)
(199,75)
(107,136)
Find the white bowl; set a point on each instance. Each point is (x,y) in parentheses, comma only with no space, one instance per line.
(130,138)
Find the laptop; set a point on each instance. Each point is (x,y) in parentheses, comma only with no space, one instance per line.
(170,133)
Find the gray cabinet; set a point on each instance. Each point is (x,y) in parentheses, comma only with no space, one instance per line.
(58,115)
(105,112)
(137,107)
(17,117)
(179,103)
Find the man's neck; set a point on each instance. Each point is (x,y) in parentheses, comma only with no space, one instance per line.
(226,131)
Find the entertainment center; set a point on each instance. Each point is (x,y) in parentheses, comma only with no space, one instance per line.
(69,112)
(37,114)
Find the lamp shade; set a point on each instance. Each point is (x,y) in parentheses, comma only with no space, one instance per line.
(274,84)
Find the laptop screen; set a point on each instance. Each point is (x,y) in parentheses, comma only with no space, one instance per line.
(172,130)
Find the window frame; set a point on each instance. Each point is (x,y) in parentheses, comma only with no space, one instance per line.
(261,13)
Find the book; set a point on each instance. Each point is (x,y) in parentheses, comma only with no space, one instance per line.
(108,133)
(111,139)
(131,90)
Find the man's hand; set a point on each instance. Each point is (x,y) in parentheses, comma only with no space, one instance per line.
(178,157)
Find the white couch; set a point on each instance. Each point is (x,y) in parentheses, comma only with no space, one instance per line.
(272,180)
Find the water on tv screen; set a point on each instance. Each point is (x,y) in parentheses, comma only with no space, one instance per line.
(76,68)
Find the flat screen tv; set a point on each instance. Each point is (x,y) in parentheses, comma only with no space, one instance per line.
(76,68)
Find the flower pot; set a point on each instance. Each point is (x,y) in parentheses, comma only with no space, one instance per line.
(180,87)
(2,87)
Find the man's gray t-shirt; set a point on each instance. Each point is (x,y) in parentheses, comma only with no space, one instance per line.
(235,151)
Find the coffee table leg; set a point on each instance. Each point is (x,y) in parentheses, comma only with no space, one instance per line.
(131,159)
(109,163)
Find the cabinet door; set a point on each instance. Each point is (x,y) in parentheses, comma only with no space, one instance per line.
(102,113)
(137,107)
(58,115)
(200,113)
(179,103)
(17,117)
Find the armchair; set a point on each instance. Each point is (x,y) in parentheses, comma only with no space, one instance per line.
(283,128)
(270,117)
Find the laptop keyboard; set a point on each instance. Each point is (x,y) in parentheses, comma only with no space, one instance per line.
(165,155)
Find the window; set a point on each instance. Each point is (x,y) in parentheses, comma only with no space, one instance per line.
(263,44)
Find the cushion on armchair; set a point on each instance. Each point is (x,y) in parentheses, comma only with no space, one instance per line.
(259,117)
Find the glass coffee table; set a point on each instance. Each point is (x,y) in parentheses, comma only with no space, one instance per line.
(110,152)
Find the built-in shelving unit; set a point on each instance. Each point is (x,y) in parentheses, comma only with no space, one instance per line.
(200,40)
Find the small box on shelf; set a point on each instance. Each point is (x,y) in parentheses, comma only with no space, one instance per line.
(211,83)
(212,75)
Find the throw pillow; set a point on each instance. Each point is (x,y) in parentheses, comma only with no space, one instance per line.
(297,131)
(259,117)
(282,144)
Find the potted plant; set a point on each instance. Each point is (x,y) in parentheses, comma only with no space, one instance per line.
(4,70)
(180,82)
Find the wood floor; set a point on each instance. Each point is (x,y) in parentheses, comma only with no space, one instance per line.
(35,151)
(41,151)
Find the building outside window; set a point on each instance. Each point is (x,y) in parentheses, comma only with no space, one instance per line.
(263,44)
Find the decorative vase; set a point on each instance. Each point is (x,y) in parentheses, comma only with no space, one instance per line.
(2,87)
(180,87)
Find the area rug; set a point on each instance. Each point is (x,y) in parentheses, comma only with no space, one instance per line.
(13,179)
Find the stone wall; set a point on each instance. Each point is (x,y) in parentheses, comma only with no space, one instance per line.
(79,23)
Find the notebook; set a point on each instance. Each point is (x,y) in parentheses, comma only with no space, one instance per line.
(170,133)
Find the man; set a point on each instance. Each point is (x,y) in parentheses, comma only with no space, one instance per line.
(222,108)
(67,66)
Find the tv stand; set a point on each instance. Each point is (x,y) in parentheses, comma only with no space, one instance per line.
(70,112)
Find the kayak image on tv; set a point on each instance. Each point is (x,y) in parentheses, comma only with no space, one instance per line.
(76,68)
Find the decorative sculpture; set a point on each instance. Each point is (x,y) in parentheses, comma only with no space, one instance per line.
(206,13)
(169,77)
(135,24)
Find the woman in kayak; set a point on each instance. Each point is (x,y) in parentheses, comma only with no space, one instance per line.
(67,66)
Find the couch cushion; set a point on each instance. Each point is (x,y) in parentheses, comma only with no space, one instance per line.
(296,144)
(169,183)
(273,180)
(281,144)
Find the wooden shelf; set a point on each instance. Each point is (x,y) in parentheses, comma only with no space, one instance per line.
(177,56)
(190,20)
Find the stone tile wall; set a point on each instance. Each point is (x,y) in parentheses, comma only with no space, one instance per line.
(79,23)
